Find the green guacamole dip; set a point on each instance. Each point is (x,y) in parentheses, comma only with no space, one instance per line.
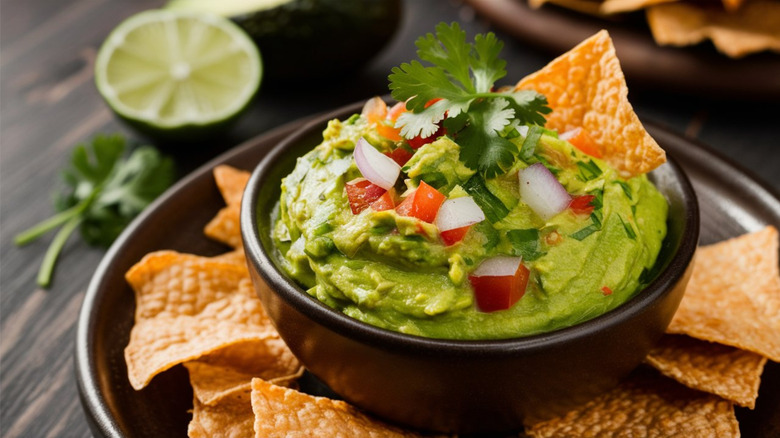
(395,272)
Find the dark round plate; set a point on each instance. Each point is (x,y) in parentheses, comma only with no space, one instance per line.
(697,69)
(731,203)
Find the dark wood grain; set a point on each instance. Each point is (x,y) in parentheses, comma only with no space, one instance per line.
(48,103)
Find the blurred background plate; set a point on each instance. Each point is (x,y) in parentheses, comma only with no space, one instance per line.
(699,70)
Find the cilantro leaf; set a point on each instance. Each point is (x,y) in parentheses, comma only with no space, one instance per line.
(462,76)
(103,194)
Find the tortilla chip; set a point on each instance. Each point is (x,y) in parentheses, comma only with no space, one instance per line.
(188,306)
(733,297)
(225,227)
(236,257)
(753,28)
(646,404)
(729,372)
(732,5)
(283,412)
(620,6)
(231,417)
(219,373)
(231,183)
(590,7)
(585,88)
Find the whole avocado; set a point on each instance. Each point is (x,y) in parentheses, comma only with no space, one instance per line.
(304,39)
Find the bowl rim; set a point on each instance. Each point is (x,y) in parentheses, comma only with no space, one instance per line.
(378,337)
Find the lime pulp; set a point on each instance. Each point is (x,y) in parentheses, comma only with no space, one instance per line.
(175,71)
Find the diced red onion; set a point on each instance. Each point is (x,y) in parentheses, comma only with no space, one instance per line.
(542,192)
(498,267)
(458,213)
(376,166)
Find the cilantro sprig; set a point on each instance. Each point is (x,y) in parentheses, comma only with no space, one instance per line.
(104,192)
(462,76)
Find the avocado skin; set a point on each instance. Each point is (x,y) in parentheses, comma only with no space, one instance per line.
(305,39)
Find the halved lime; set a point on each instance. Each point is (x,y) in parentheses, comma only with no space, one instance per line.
(178,75)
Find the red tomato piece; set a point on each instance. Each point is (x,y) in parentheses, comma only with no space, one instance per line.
(385,202)
(581,204)
(361,193)
(387,127)
(499,292)
(400,155)
(423,204)
(606,291)
(418,142)
(582,140)
(451,237)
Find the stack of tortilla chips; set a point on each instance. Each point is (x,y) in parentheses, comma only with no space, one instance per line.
(735,27)
(202,312)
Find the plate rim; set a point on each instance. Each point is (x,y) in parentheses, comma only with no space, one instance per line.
(91,396)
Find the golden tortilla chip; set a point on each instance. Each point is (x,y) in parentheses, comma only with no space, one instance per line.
(752,28)
(233,367)
(591,7)
(585,88)
(225,227)
(620,6)
(231,183)
(231,417)
(188,306)
(729,372)
(645,405)
(283,412)
(236,257)
(733,297)
(732,5)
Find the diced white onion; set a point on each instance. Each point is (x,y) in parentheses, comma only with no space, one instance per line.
(498,267)
(458,213)
(568,135)
(376,166)
(540,190)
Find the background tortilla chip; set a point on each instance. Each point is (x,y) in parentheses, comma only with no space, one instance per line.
(646,404)
(729,372)
(231,417)
(585,88)
(225,227)
(591,7)
(619,6)
(188,306)
(752,28)
(733,296)
(231,183)
(283,412)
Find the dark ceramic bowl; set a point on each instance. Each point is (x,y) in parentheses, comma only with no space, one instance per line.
(462,386)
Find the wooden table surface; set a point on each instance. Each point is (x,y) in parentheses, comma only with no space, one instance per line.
(49,103)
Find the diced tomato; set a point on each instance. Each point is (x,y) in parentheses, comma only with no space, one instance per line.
(386,128)
(582,204)
(582,140)
(423,204)
(400,155)
(451,237)
(385,202)
(361,193)
(375,110)
(432,101)
(606,291)
(499,292)
(418,142)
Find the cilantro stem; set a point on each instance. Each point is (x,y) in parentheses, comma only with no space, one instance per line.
(41,228)
(54,250)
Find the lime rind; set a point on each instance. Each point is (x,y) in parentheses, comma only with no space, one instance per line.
(166,70)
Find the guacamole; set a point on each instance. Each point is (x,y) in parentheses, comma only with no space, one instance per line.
(395,271)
